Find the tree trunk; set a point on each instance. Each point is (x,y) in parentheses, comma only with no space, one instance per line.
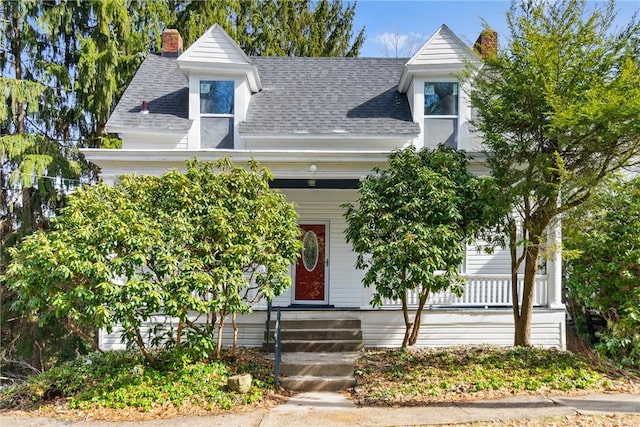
(137,337)
(522,335)
(405,314)
(407,322)
(36,357)
(235,334)
(82,334)
(16,51)
(515,265)
(219,338)
(418,319)
(179,333)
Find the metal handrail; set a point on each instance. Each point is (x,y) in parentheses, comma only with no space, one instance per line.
(269,307)
(277,348)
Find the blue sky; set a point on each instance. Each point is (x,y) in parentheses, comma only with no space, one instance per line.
(417,20)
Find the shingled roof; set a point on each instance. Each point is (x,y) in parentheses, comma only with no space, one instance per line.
(329,96)
(313,96)
(160,82)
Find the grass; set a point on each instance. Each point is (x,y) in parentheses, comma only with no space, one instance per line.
(415,377)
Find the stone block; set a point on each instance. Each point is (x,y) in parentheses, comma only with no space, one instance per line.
(240,383)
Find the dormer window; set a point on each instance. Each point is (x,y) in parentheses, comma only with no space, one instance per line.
(216,113)
(441,114)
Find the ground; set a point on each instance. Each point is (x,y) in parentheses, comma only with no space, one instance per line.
(406,378)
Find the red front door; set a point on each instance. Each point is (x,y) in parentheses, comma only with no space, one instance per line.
(310,269)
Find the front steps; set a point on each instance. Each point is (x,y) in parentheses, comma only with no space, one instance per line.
(318,355)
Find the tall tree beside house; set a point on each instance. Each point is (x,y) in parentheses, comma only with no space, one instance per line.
(558,108)
(35,167)
(411,224)
(96,48)
(275,27)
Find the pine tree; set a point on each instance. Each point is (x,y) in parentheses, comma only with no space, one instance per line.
(276,27)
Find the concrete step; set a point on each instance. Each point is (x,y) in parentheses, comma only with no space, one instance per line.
(291,370)
(318,364)
(314,383)
(318,346)
(318,324)
(317,334)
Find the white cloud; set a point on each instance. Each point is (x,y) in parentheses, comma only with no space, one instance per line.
(396,44)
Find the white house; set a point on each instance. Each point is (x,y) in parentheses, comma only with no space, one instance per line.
(320,125)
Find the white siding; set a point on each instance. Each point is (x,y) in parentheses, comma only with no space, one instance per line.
(415,108)
(214,47)
(385,328)
(441,328)
(131,141)
(251,330)
(443,48)
(478,261)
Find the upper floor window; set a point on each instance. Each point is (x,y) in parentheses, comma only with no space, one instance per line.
(441,114)
(216,113)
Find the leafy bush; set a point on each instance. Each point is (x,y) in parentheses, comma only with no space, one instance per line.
(604,275)
(197,247)
(411,222)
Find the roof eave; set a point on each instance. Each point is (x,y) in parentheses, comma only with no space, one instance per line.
(119,129)
(249,70)
(324,136)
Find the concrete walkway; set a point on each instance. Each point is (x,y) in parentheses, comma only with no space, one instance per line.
(333,409)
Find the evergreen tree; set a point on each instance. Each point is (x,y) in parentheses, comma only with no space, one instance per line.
(64,65)
(34,165)
(276,27)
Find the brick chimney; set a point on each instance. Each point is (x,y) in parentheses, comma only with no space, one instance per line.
(171,43)
(487,44)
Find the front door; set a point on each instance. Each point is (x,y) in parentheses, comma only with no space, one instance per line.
(310,281)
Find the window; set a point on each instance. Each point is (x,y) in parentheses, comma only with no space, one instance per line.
(216,113)
(441,114)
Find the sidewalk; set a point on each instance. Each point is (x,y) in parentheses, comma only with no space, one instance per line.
(332,409)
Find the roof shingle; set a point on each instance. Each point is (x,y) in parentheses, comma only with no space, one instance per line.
(329,96)
(314,96)
(160,82)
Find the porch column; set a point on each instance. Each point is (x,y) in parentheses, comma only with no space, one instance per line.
(554,267)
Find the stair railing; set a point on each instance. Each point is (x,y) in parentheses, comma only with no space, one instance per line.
(269,307)
(277,348)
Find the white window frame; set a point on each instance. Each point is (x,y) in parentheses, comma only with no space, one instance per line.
(218,115)
(456,117)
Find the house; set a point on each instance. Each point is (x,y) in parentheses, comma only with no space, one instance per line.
(320,125)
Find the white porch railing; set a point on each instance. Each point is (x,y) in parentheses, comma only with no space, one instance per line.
(480,290)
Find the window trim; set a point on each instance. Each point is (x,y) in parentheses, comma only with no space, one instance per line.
(442,116)
(454,117)
(217,115)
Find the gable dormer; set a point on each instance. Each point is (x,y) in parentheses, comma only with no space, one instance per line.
(439,103)
(221,80)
